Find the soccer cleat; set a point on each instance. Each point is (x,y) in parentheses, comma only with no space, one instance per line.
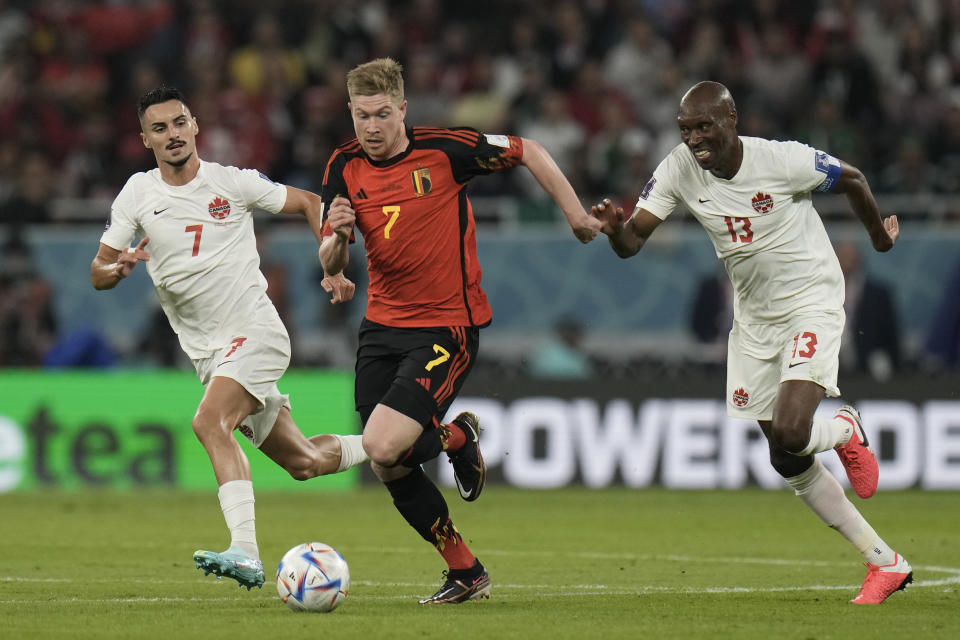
(469,470)
(856,455)
(231,563)
(881,581)
(457,589)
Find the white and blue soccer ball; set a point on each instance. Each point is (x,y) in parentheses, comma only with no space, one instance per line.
(313,577)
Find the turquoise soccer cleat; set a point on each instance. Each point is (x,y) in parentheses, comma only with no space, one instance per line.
(231,563)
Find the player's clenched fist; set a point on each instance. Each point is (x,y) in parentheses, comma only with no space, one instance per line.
(587,229)
(341,217)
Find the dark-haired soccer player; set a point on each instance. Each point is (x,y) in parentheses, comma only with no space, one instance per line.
(753,197)
(197,218)
(404,188)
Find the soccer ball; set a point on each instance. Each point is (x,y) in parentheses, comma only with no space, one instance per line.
(313,577)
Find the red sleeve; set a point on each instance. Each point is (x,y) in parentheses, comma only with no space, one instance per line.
(494,153)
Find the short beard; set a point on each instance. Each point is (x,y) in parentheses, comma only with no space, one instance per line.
(179,163)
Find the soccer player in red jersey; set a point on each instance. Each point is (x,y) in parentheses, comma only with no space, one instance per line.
(404,190)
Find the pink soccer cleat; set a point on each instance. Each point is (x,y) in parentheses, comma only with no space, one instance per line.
(881,581)
(856,455)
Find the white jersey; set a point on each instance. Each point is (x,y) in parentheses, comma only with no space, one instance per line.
(762,224)
(203,255)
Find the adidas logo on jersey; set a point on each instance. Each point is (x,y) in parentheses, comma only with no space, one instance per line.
(360,195)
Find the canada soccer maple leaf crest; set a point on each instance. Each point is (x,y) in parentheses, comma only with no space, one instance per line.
(740,397)
(219,208)
(762,202)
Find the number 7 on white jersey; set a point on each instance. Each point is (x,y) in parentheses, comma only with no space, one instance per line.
(197,231)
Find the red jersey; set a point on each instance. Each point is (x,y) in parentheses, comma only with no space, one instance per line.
(417,223)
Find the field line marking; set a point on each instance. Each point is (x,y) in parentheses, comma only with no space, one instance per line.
(540,590)
(197,599)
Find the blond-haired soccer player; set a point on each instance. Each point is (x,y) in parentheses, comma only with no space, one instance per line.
(753,197)
(405,190)
(196,217)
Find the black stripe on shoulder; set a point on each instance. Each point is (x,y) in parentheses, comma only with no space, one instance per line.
(341,156)
(432,135)
(349,148)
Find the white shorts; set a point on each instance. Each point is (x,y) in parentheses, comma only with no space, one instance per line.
(760,357)
(256,359)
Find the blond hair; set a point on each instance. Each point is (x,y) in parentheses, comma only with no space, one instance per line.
(380,76)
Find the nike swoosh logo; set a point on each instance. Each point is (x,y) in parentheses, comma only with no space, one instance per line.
(791,366)
(228,361)
(157,212)
(701,200)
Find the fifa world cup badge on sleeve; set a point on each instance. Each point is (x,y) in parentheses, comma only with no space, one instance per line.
(827,164)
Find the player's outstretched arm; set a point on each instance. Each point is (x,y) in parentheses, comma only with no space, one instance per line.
(628,236)
(307,204)
(543,167)
(853,184)
(110,265)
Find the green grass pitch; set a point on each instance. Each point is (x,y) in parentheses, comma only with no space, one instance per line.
(572,563)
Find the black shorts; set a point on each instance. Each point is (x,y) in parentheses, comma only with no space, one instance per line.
(416,371)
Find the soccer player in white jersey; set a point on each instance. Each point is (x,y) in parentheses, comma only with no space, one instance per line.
(753,197)
(196,219)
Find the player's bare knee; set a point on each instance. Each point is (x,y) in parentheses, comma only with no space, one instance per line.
(210,427)
(791,441)
(790,435)
(204,427)
(385,458)
(380,452)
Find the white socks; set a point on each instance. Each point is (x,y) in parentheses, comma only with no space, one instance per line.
(820,491)
(351,451)
(236,498)
(827,433)
(236,501)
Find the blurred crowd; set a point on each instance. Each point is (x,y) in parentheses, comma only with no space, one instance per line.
(872,81)
(597,82)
